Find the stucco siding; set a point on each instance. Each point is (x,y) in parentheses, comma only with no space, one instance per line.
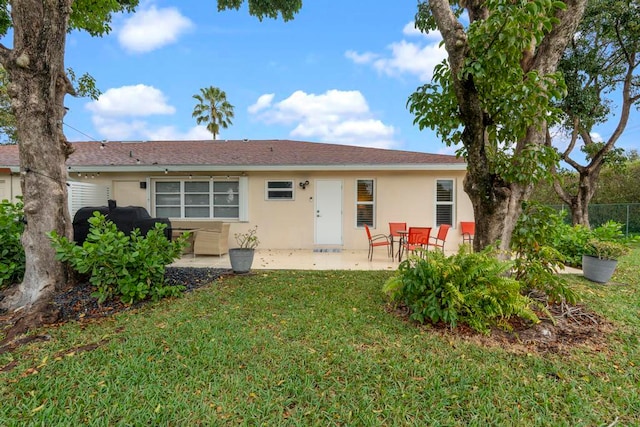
(400,196)
(9,186)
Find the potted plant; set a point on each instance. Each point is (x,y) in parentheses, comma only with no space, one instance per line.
(242,257)
(600,259)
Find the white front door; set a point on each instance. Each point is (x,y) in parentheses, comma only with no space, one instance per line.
(328,212)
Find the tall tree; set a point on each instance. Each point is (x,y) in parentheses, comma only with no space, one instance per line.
(492,96)
(600,62)
(38,85)
(213,109)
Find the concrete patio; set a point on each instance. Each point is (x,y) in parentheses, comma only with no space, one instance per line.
(286,259)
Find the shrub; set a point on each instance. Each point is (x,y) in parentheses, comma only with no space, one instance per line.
(575,241)
(131,267)
(536,261)
(471,288)
(248,240)
(11,252)
(571,241)
(603,249)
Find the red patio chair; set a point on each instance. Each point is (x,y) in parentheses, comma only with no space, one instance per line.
(377,240)
(394,236)
(417,240)
(438,241)
(468,230)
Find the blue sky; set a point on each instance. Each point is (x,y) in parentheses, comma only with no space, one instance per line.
(340,72)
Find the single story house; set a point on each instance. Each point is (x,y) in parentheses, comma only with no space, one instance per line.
(301,195)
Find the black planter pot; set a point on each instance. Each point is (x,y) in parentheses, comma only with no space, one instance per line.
(241,259)
(598,270)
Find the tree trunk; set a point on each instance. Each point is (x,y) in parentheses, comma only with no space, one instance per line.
(587,182)
(37,89)
(579,212)
(586,190)
(497,204)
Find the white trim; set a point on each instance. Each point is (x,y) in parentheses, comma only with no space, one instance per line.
(264,168)
(243,189)
(148,193)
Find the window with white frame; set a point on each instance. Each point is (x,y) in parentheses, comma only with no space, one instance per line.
(279,190)
(192,198)
(445,206)
(365,203)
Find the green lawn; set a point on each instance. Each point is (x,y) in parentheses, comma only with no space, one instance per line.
(316,348)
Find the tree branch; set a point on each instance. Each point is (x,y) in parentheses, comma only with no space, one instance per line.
(560,191)
(574,137)
(455,39)
(553,45)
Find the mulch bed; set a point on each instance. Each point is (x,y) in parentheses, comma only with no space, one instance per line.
(571,326)
(77,303)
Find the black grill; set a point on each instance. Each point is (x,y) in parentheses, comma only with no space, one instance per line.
(126,219)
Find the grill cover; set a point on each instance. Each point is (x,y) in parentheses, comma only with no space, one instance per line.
(126,219)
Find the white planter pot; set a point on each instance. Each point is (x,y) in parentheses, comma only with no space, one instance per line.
(598,270)
(241,259)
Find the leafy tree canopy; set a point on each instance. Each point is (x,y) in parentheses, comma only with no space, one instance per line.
(513,96)
(265,8)
(600,66)
(91,16)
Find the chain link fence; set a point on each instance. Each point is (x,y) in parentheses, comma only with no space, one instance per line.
(627,214)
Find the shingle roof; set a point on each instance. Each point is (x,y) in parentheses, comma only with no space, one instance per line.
(248,154)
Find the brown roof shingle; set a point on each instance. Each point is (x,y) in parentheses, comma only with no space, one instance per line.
(238,153)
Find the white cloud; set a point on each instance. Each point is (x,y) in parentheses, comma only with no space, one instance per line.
(417,58)
(152,28)
(410,29)
(123,129)
(138,100)
(119,129)
(264,101)
(411,58)
(361,58)
(170,133)
(120,114)
(335,116)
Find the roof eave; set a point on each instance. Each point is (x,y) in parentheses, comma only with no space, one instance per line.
(269,168)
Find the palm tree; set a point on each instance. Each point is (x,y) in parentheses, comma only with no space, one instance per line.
(213,109)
